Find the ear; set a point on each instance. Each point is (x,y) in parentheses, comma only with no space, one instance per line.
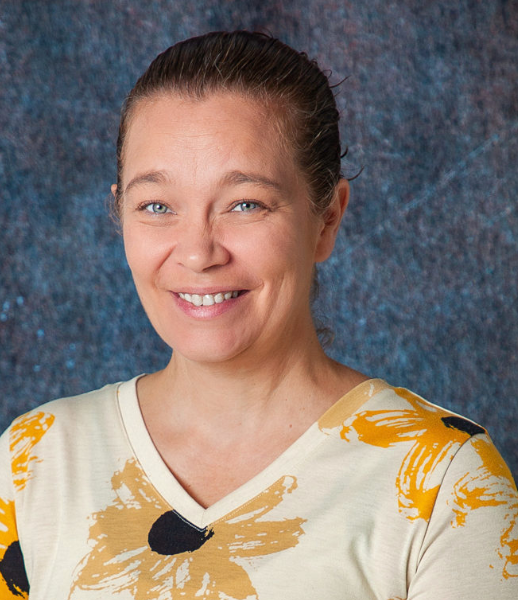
(331,220)
(114,190)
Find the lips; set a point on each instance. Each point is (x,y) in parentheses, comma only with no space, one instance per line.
(208,299)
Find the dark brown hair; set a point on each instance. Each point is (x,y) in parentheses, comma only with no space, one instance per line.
(262,68)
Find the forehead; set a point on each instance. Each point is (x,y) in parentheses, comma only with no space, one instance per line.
(225,125)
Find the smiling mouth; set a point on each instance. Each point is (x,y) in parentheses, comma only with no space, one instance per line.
(208,299)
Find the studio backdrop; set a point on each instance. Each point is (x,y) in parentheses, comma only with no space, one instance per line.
(422,287)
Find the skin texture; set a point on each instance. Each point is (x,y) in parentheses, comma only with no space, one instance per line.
(204,242)
(214,202)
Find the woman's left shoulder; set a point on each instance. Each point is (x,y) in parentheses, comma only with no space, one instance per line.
(398,414)
(433,440)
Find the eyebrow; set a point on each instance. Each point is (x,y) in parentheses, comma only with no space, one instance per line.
(150,177)
(238,177)
(230,178)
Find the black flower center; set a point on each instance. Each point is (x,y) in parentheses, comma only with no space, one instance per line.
(463,425)
(172,534)
(12,570)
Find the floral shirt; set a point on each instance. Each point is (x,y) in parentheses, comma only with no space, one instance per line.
(399,500)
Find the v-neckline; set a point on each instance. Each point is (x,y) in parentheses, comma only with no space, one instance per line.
(179,499)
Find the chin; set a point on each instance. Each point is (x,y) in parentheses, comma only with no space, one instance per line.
(207,348)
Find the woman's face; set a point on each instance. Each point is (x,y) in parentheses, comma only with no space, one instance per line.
(217,227)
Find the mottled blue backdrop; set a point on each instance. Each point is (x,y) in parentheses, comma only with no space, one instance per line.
(422,288)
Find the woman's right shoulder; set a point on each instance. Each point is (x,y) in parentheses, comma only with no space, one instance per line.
(71,406)
(83,432)
(87,412)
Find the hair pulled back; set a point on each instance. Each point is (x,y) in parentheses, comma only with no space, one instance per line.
(262,68)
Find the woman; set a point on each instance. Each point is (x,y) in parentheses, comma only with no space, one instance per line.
(252,466)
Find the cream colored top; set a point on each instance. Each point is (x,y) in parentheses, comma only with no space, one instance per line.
(401,500)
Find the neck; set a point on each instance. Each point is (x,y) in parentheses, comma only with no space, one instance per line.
(246,390)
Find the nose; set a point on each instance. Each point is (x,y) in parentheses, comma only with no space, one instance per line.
(199,247)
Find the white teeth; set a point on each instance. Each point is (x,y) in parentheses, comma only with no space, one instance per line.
(208,299)
(196,300)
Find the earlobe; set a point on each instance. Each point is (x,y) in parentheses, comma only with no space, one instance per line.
(114,190)
(331,221)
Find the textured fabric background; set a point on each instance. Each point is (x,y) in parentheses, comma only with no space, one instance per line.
(422,287)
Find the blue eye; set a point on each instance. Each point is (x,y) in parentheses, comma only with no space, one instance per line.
(156,208)
(246,206)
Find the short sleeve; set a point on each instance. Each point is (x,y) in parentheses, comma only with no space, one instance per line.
(13,579)
(470,550)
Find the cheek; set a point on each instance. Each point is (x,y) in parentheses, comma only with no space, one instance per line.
(266,249)
(286,258)
(145,251)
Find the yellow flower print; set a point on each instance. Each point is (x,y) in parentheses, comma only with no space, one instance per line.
(7,525)
(13,580)
(348,404)
(434,435)
(490,485)
(26,432)
(142,546)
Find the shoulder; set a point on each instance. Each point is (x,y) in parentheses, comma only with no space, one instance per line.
(424,447)
(63,409)
(83,433)
(71,419)
(385,415)
(393,415)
